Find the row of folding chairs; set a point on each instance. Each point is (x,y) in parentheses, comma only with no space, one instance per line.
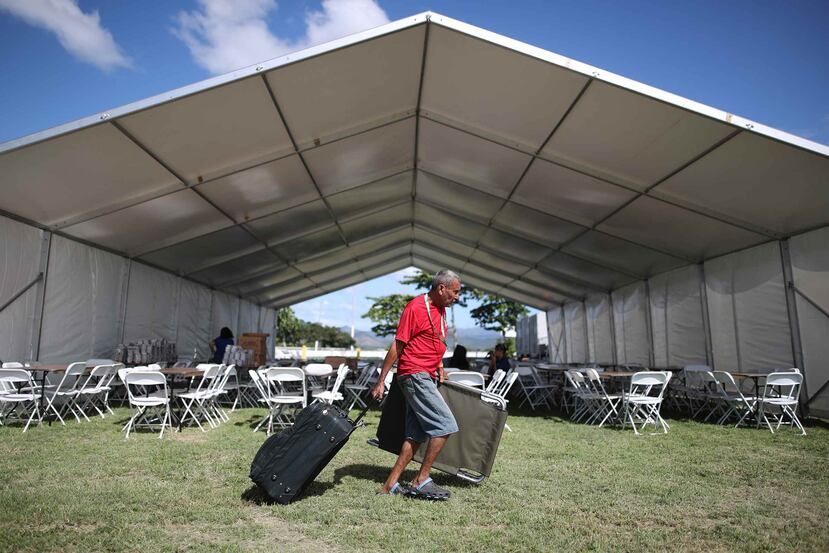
(716,396)
(283,388)
(76,393)
(639,406)
(149,397)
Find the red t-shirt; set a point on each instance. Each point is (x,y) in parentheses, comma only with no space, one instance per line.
(424,338)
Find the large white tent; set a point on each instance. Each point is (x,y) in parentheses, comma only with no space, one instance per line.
(651,229)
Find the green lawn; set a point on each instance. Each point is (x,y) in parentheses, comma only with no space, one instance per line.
(556,486)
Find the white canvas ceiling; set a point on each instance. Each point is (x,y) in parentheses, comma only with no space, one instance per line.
(424,142)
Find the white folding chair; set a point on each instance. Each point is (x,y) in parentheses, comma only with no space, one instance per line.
(65,392)
(361,386)
(286,386)
(501,391)
(780,400)
(332,395)
(467,378)
(157,403)
(314,373)
(262,395)
(195,401)
(536,393)
(643,401)
(584,401)
(606,404)
(94,392)
(495,381)
(21,398)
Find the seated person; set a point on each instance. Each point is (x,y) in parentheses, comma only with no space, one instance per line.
(459,360)
(498,359)
(219,345)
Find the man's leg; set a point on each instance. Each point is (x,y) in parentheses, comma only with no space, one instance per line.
(432,450)
(408,450)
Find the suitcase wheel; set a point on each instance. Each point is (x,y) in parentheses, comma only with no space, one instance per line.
(331,439)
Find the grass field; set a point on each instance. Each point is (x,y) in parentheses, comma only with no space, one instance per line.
(556,486)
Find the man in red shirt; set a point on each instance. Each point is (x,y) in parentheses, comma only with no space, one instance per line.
(418,348)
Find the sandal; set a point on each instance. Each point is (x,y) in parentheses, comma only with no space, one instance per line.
(428,490)
(397,489)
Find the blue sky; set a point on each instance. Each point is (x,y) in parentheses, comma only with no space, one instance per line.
(65,59)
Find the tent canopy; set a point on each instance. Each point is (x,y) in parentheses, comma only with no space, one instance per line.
(424,142)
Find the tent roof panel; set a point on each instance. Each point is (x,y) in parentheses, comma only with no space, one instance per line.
(210,133)
(206,250)
(239,268)
(436,190)
(285,225)
(74,177)
(349,87)
(304,246)
(754,179)
(539,226)
(709,237)
(363,158)
(262,189)
(480,84)
(381,221)
(570,195)
(470,160)
(578,268)
(605,249)
(374,195)
(152,225)
(617,134)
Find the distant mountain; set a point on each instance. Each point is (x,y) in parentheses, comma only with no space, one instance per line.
(473,338)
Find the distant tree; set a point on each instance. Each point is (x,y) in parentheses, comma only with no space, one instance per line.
(292,331)
(496,312)
(287,326)
(385,313)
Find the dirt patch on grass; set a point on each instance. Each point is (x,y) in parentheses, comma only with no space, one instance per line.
(284,536)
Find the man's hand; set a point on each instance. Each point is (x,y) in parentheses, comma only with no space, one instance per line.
(441,375)
(378,390)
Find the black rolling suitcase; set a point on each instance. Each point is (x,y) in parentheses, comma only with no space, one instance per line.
(290,460)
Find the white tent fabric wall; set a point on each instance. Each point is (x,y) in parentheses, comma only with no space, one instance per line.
(248,318)
(82,310)
(555,329)
(676,318)
(225,313)
(631,325)
(575,332)
(193,333)
(19,257)
(152,300)
(810,269)
(599,332)
(747,309)
(267,324)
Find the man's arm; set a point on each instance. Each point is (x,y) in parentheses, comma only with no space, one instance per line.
(392,355)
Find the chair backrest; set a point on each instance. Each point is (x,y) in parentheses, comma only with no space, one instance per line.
(319,369)
(261,386)
(783,385)
(341,374)
(12,376)
(285,381)
(468,378)
(507,383)
(71,376)
(496,379)
(12,365)
(726,384)
(595,381)
(575,378)
(144,377)
(365,375)
(693,375)
(651,383)
(98,377)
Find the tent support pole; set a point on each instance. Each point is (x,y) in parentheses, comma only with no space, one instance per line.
(706,321)
(794,322)
(40,298)
(614,357)
(124,297)
(21,292)
(649,323)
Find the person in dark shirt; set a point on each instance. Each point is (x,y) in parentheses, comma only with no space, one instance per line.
(459,360)
(219,345)
(498,359)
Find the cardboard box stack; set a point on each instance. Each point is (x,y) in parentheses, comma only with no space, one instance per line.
(257,342)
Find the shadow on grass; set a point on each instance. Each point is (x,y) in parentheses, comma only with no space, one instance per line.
(257,496)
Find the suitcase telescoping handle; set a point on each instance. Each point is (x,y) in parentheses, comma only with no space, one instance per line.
(362,414)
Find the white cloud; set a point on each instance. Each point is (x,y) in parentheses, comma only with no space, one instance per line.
(224,35)
(81,34)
